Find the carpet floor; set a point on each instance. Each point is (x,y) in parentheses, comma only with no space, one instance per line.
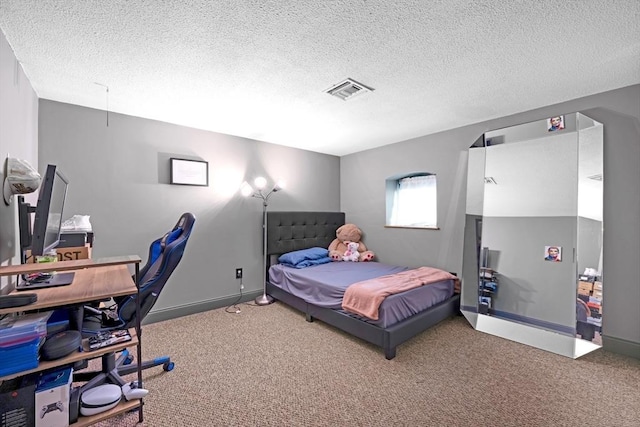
(267,366)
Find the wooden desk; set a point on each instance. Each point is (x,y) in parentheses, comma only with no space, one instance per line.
(89,284)
(77,264)
(94,279)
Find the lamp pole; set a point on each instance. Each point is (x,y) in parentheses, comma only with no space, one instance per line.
(264,299)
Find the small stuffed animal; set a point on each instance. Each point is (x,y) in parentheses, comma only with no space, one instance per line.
(349,233)
(351,254)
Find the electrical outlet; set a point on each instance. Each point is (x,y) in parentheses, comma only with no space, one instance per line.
(238,273)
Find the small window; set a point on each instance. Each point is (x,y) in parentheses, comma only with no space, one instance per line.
(412,201)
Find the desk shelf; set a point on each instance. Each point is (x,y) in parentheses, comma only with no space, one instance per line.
(122,407)
(94,279)
(77,356)
(486,293)
(77,264)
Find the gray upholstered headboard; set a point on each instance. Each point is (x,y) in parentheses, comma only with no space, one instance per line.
(292,231)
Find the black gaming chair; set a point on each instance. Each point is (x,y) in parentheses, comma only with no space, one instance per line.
(164,255)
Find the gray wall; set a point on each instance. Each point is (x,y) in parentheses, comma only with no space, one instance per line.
(119,175)
(445,154)
(18,138)
(589,231)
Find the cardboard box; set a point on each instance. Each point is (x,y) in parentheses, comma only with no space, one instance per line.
(586,285)
(585,288)
(52,398)
(67,254)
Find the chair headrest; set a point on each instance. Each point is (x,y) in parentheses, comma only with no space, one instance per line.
(159,246)
(181,230)
(171,236)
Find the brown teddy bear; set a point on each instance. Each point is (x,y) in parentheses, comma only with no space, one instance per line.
(345,234)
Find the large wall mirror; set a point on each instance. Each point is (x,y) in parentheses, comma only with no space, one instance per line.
(532,268)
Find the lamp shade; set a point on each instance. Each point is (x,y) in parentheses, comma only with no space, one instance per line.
(20,178)
(245,189)
(260,182)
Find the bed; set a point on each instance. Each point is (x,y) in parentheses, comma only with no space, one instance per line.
(402,316)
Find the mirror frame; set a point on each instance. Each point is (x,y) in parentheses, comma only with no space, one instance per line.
(564,342)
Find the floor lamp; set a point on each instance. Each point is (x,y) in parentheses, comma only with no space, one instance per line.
(260,184)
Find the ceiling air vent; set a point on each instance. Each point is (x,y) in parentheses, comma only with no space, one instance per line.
(348,89)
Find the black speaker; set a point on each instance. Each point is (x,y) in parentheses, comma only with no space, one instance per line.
(61,344)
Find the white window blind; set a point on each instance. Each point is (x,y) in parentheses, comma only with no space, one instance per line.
(415,202)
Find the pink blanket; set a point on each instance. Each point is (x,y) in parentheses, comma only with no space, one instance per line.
(364,298)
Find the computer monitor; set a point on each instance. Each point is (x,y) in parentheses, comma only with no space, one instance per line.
(49,210)
(45,233)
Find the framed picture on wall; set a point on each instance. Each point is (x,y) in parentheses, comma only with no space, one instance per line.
(555,123)
(189,172)
(553,253)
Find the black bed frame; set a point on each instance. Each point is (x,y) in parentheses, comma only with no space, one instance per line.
(291,231)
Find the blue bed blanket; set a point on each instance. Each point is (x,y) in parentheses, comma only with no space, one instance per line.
(305,257)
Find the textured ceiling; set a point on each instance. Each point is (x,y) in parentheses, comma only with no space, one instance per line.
(258,69)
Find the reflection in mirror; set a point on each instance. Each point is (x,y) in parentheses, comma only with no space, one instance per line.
(534,221)
(589,247)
